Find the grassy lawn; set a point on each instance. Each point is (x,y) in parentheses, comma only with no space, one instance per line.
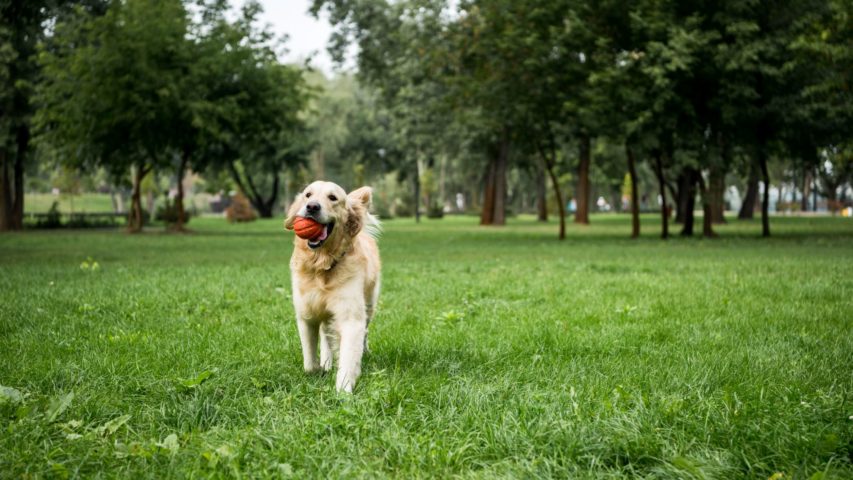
(84,203)
(496,352)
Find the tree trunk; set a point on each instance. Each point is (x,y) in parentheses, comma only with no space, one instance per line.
(664,214)
(688,191)
(582,213)
(5,192)
(747,208)
(707,208)
(549,168)
(179,198)
(807,183)
(113,199)
(814,191)
(488,209)
(266,207)
(500,182)
(765,203)
(541,196)
(494,194)
(635,204)
(23,143)
(684,190)
(442,179)
(135,220)
(417,202)
(716,193)
(561,208)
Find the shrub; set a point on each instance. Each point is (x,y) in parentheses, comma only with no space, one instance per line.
(168,213)
(240,210)
(53,218)
(380,207)
(435,210)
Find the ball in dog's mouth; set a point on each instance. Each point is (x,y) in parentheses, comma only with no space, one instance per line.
(318,241)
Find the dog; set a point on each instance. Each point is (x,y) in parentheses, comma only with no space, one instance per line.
(335,278)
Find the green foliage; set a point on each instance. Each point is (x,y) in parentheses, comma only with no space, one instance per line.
(167,212)
(112,88)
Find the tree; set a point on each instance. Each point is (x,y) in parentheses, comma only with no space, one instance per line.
(109,96)
(250,118)
(20,32)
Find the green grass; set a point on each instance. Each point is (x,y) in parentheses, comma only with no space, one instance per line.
(496,352)
(83,203)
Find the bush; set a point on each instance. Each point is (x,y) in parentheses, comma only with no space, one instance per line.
(53,218)
(240,210)
(404,207)
(168,213)
(380,207)
(435,211)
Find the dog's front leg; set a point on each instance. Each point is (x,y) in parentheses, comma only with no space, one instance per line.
(325,349)
(349,359)
(308,336)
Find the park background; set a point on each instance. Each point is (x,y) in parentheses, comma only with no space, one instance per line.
(617,240)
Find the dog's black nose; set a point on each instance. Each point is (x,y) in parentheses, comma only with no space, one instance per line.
(312,207)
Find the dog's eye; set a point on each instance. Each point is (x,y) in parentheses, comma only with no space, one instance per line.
(308,195)
(333,198)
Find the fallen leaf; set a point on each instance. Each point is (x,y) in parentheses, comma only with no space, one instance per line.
(58,405)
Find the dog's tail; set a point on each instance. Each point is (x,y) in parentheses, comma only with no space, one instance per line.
(372,226)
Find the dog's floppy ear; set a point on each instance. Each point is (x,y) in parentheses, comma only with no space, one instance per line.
(358,202)
(291,213)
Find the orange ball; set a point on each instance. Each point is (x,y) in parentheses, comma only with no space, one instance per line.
(307,228)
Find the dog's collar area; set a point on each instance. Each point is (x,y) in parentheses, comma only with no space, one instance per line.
(335,261)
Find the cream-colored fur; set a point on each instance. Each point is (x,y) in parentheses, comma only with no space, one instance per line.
(336,285)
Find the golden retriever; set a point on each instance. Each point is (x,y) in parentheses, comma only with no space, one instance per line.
(335,278)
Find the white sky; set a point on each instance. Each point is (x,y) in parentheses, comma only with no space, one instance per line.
(307,35)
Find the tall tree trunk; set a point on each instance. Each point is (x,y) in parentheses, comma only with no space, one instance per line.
(549,168)
(487,212)
(23,143)
(683,193)
(417,199)
(765,203)
(494,193)
(135,220)
(807,183)
(113,199)
(500,182)
(582,213)
(664,213)
(442,179)
(707,208)
(5,192)
(179,198)
(635,204)
(688,190)
(716,193)
(541,196)
(747,208)
(561,208)
(814,191)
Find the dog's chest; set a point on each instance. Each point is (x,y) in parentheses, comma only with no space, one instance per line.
(313,299)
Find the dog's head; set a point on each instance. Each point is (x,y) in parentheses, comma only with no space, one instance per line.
(342,215)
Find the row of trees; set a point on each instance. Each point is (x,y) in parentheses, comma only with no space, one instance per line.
(146,85)
(694,90)
(475,104)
